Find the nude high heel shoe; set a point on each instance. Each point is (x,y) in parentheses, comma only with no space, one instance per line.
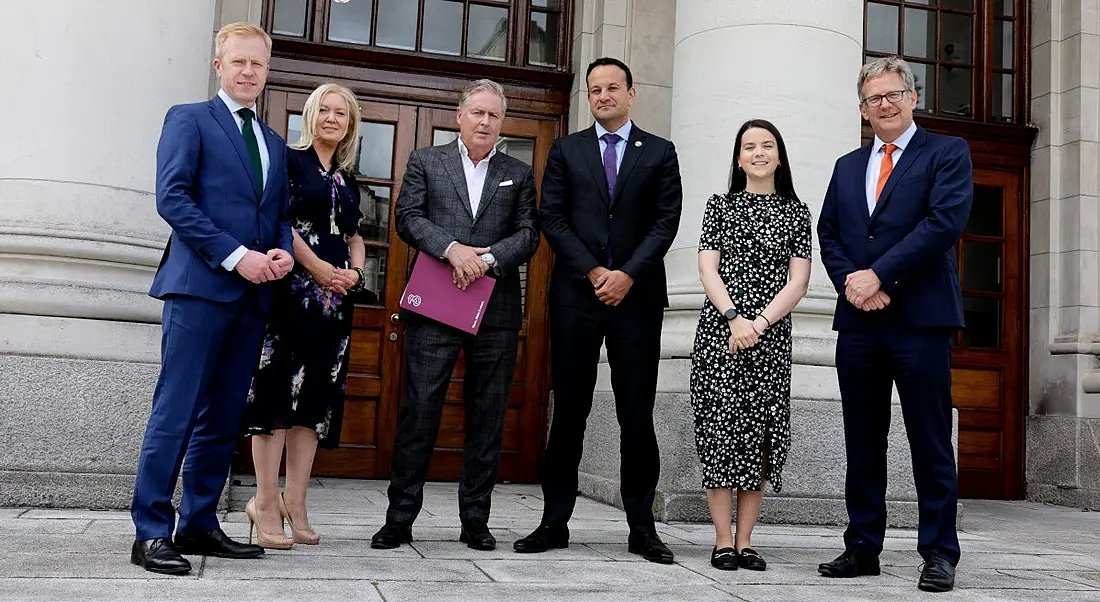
(265,540)
(305,536)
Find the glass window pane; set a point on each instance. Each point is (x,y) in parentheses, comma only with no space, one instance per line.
(519,148)
(293,128)
(374,279)
(543,47)
(1003,96)
(442,27)
(986,212)
(957,32)
(955,91)
(376,149)
(374,203)
(443,137)
(882,28)
(958,4)
(1004,8)
(397,24)
(551,4)
(983,322)
(1003,44)
(488,35)
(982,266)
(350,22)
(290,18)
(920,33)
(925,79)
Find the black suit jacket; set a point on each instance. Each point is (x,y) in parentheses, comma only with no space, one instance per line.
(638,223)
(433,209)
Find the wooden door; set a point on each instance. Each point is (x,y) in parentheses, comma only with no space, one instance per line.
(988,376)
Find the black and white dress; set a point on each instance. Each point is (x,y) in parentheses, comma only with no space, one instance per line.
(742,401)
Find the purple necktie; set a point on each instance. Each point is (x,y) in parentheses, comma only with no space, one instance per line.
(610,171)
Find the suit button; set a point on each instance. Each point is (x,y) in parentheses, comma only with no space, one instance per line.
(609,216)
(871,238)
(255,242)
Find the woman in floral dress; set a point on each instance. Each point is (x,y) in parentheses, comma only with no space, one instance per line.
(297,394)
(754,261)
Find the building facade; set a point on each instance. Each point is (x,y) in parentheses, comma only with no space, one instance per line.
(89,83)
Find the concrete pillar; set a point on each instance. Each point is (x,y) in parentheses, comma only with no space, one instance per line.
(87,86)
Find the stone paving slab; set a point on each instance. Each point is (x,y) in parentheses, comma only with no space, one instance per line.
(191,590)
(509,592)
(288,565)
(575,572)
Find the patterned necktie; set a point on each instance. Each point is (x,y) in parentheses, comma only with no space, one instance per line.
(253,147)
(885,168)
(610,161)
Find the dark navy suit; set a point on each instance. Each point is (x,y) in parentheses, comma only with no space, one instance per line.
(909,241)
(213,318)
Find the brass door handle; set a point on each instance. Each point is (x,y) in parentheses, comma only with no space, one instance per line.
(395,318)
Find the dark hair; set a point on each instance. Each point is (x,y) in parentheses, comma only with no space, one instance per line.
(784,184)
(600,62)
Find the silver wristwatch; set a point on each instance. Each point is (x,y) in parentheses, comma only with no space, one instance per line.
(489,259)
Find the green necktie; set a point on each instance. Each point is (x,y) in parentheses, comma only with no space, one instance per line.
(253,147)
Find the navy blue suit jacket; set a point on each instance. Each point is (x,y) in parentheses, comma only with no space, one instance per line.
(206,193)
(909,241)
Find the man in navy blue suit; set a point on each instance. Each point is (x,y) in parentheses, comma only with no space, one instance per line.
(222,187)
(888,228)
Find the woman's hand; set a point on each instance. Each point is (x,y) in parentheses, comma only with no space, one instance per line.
(742,334)
(328,277)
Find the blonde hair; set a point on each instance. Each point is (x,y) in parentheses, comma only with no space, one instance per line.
(347,150)
(243,30)
(483,85)
(883,66)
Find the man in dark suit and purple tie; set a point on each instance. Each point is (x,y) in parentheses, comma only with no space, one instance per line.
(611,201)
(888,228)
(222,187)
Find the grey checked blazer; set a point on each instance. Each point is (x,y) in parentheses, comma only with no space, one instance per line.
(433,209)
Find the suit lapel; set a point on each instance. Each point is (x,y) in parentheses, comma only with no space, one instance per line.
(634,147)
(590,146)
(274,142)
(493,178)
(861,177)
(229,124)
(452,162)
(908,157)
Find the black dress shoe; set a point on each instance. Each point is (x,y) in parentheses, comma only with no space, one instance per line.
(216,543)
(650,547)
(724,559)
(391,535)
(751,560)
(159,556)
(938,575)
(542,539)
(476,536)
(852,563)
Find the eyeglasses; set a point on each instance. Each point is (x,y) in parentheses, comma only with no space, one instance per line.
(876,100)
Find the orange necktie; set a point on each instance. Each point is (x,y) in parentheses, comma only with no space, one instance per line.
(885,169)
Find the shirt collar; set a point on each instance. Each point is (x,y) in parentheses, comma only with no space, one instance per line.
(901,142)
(465,152)
(623,132)
(231,104)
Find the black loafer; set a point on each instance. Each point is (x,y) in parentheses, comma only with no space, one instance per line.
(938,575)
(159,556)
(542,539)
(750,559)
(391,535)
(852,563)
(476,536)
(724,559)
(650,547)
(215,543)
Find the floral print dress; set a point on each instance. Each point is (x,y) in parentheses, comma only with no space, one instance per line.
(742,401)
(302,371)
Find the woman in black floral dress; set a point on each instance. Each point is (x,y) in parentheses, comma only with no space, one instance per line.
(754,261)
(297,394)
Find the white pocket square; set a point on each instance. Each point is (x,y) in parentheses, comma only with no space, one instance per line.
(505,183)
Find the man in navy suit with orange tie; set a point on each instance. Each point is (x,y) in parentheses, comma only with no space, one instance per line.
(222,187)
(888,228)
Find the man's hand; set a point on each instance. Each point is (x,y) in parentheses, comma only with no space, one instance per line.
(595,274)
(860,286)
(282,262)
(467,263)
(879,300)
(256,267)
(742,334)
(612,286)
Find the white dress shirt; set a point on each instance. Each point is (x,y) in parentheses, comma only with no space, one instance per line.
(620,146)
(475,180)
(230,263)
(875,162)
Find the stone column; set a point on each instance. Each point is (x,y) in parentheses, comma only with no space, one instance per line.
(87,86)
(1063,429)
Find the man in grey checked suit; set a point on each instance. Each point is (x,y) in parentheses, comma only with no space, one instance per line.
(467,204)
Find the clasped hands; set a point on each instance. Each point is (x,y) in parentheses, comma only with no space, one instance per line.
(611,285)
(330,277)
(745,334)
(864,290)
(257,267)
(467,264)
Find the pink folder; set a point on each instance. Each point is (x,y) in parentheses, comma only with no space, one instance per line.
(431,292)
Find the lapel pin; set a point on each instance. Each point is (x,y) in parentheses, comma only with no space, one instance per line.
(637,143)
